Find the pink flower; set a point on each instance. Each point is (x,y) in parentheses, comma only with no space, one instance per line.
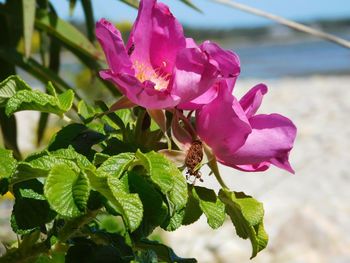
(159,68)
(241,139)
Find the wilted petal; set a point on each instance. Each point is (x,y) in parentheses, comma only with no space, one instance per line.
(251,101)
(271,140)
(193,74)
(222,124)
(157,36)
(113,47)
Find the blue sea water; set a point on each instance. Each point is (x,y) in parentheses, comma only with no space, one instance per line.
(299,58)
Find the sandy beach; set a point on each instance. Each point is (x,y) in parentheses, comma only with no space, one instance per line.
(306,214)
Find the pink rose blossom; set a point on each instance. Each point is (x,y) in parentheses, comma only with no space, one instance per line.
(241,139)
(159,68)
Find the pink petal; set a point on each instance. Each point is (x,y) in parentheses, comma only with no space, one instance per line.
(113,47)
(271,141)
(208,96)
(222,124)
(139,93)
(251,101)
(157,36)
(193,74)
(226,61)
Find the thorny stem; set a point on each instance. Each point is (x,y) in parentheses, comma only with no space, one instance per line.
(29,253)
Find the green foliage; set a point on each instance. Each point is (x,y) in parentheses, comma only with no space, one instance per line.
(247,216)
(99,188)
(66,191)
(8,164)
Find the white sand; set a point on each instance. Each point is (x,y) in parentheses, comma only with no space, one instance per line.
(307,215)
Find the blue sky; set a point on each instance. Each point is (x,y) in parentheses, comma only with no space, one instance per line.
(216,15)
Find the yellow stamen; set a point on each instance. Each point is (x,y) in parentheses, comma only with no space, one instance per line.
(157,76)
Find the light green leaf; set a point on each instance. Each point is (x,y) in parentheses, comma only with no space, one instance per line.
(10,86)
(131,205)
(8,164)
(29,7)
(67,191)
(132,3)
(160,169)
(39,101)
(128,205)
(211,206)
(115,166)
(247,215)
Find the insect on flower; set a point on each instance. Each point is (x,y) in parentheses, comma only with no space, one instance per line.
(193,159)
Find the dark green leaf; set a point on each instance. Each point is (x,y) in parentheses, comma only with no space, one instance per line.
(192,210)
(163,252)
(68,34)
(31,210)
(67,191)
(89,19)
(247,215)
(155,209)
(9,132)
(77,135)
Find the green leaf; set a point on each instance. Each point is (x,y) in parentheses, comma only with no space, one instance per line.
(40,165)
(39,101)
(192,211)
(89,19)
(132,3)
(212,207)
(31,210)
(77,135)
(8,164)
(160,169)
(247,215)
(28,10)
(126,204)
(10,86)
(164,253)
(33,67)
(190,4)
(70,36)
(115,166)
(67,191)
(8,127)
(131,205)
(164,174)
(155,209)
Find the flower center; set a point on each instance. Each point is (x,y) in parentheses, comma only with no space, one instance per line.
(157,76)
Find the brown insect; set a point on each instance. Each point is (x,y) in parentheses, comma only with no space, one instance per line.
(193,159)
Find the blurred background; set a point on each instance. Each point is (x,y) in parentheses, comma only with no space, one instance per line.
(306,214)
